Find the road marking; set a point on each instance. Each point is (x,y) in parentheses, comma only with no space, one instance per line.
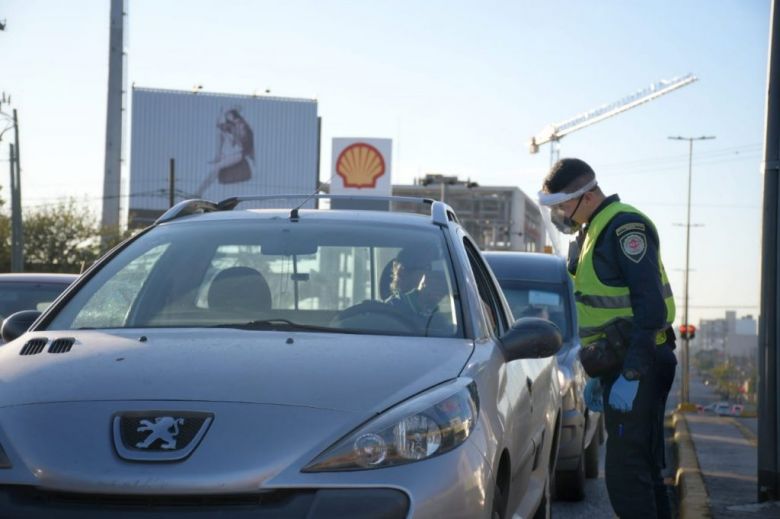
(747,433)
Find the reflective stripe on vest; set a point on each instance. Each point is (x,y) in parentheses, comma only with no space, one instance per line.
(599,304)
(614,301)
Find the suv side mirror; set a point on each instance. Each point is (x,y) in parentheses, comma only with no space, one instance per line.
(531,338)
(17,323)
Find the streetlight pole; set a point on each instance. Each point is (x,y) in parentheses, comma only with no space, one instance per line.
(684,387)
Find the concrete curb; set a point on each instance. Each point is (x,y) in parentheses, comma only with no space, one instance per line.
(694,501)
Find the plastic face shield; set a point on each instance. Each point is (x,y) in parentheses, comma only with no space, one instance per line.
(553,199)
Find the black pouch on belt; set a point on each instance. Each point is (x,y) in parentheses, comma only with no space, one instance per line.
(605,356)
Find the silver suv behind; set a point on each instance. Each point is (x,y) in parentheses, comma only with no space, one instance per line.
(281,363)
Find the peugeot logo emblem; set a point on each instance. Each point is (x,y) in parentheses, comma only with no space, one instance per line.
(159,435)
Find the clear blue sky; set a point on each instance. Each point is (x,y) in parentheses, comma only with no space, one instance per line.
(459,86)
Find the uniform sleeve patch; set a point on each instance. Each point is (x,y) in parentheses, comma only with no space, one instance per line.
(634,226)
(634,245)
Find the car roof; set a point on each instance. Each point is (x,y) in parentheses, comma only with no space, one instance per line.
(38,277)
(331,215)
(527,266)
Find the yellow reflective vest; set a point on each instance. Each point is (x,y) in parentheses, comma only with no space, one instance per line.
(598,304)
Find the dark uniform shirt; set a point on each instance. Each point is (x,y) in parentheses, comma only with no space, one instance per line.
(635,267)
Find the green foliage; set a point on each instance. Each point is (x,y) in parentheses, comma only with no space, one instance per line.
(64,237)
(60,238)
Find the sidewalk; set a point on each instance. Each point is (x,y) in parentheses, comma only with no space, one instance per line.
(717,464)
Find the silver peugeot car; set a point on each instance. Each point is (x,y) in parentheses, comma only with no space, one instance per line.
(275,363)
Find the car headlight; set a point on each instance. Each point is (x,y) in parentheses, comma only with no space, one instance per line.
(564,379)
(429,424)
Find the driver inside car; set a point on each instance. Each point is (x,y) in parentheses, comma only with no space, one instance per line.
(416,289)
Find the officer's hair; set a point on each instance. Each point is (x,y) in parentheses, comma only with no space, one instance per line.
(567,176)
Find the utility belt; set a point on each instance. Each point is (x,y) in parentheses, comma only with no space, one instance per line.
(605,356)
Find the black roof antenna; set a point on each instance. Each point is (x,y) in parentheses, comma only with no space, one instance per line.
(294,211)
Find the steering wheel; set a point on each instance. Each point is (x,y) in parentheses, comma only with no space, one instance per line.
(378,309)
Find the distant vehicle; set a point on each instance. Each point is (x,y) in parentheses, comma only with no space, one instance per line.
(231,362)
(30,291)
(539,285)
(737,409)
(721,408)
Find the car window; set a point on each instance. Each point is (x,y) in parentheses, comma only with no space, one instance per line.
(109,305)
(487,291)
(538,300)
(17,296)
(338,276)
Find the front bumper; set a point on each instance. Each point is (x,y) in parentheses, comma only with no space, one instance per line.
(71,470)
(33,503)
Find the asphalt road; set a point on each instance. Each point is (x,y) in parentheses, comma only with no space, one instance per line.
(596,502)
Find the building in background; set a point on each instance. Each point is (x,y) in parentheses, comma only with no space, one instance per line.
(735,337)
(497,217)
(221,145)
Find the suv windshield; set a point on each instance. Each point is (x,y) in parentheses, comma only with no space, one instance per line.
(275,274)
(538,300)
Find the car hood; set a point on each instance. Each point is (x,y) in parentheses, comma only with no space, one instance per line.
(321,370)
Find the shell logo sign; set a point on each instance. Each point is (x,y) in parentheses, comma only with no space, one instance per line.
(360,165)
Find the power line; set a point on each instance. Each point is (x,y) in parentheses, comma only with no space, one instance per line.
(681,156)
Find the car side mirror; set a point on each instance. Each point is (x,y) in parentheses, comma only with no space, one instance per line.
(531,338)
(17,323)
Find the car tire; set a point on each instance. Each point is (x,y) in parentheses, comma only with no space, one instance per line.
(498,508)
(570,484)
(544,511)
(592,456)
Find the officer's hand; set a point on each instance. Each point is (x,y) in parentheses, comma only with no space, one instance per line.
(594,395)
(621,398)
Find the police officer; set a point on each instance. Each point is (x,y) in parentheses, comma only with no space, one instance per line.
(618,275)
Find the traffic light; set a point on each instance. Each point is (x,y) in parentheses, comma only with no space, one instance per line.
(687,331)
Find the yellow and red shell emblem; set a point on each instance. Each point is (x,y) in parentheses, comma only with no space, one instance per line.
(360,165)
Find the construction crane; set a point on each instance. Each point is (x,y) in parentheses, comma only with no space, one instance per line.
(555,132)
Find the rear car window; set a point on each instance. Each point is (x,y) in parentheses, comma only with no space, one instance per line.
(539,300)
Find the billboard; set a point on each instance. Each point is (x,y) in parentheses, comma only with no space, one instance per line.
(221,146)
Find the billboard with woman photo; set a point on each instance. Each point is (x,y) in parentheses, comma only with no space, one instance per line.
(221,146)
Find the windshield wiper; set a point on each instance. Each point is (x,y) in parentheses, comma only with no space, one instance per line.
(279,325)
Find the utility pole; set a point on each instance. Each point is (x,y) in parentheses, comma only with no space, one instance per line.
(115,115)
(684,387)
(171,183)
(768,361)
(17,232)
(17,239)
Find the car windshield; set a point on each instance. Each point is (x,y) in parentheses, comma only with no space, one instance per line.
(538,300)
(272,274)
(30,295)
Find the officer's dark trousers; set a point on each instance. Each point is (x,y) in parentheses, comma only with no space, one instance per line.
(635,445)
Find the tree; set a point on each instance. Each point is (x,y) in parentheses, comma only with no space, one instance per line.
(60,238)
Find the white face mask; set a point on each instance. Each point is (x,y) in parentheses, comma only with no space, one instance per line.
(562,222)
